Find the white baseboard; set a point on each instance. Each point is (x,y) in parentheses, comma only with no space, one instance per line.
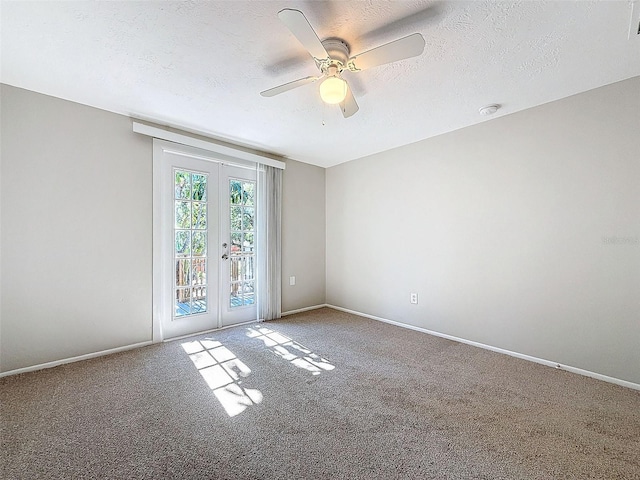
(548,363)
(86,356)
(305,309)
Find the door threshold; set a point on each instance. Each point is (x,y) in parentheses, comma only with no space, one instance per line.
(182,337)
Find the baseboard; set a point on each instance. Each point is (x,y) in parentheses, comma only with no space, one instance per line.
(131,347)
(86,356)
(305,309)
(548,363)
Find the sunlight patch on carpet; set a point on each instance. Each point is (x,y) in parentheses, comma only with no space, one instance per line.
(223,372)
(293,352)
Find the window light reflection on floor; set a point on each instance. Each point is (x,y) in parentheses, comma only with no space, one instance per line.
(291,351)
(223,372)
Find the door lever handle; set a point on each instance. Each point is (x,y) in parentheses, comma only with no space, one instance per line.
(225,256)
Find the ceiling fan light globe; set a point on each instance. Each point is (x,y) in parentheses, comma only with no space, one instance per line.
(333,90)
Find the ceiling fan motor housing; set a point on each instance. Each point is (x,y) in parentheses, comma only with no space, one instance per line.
(337,49)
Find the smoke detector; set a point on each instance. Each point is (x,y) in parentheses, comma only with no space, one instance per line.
(489,110)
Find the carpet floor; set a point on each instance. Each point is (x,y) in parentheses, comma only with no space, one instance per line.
(322,394)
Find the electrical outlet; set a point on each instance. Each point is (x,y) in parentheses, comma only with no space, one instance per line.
(414,298)
(292,281)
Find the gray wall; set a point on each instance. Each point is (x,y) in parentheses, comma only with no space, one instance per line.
(76,230)
(505,230)
(76,238)
(303,236)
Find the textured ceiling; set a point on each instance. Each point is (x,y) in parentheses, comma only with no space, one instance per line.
(201,65)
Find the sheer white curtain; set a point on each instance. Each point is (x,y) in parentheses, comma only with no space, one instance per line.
(269,243)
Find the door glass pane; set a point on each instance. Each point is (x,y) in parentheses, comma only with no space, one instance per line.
(236,269)
(199,271)
(183,243)
(247,244)
(248,192)
(236,218)
(235,192)
(199,243)
(199,300)
(249,294)
(183,184)
(236,242)
(183,272)
(190,247)
(242,252)
(199,187)
(183,301)
(183,214)
(236,295)
(199,215)
(247,219)
(248,268)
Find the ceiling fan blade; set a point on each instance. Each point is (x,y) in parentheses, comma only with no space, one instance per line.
(288,86)
(304,32)
(349,106)
(406,47)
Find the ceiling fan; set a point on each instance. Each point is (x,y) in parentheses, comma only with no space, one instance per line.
(332,57)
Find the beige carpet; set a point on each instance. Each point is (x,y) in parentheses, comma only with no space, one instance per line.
(322,394)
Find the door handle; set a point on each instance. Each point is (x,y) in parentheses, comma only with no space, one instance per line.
(225,256)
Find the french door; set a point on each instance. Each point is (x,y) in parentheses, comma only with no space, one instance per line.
(204,242)
(238,235)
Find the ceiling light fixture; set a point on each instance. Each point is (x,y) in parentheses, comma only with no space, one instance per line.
(333,89)
(489,110)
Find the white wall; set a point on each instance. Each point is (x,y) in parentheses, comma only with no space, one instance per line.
(504,230)
(303,236)
(76,238)
(76,230)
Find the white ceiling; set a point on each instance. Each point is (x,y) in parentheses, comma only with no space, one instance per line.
(201,65)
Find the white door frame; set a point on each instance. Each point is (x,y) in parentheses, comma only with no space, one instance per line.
(161,248)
